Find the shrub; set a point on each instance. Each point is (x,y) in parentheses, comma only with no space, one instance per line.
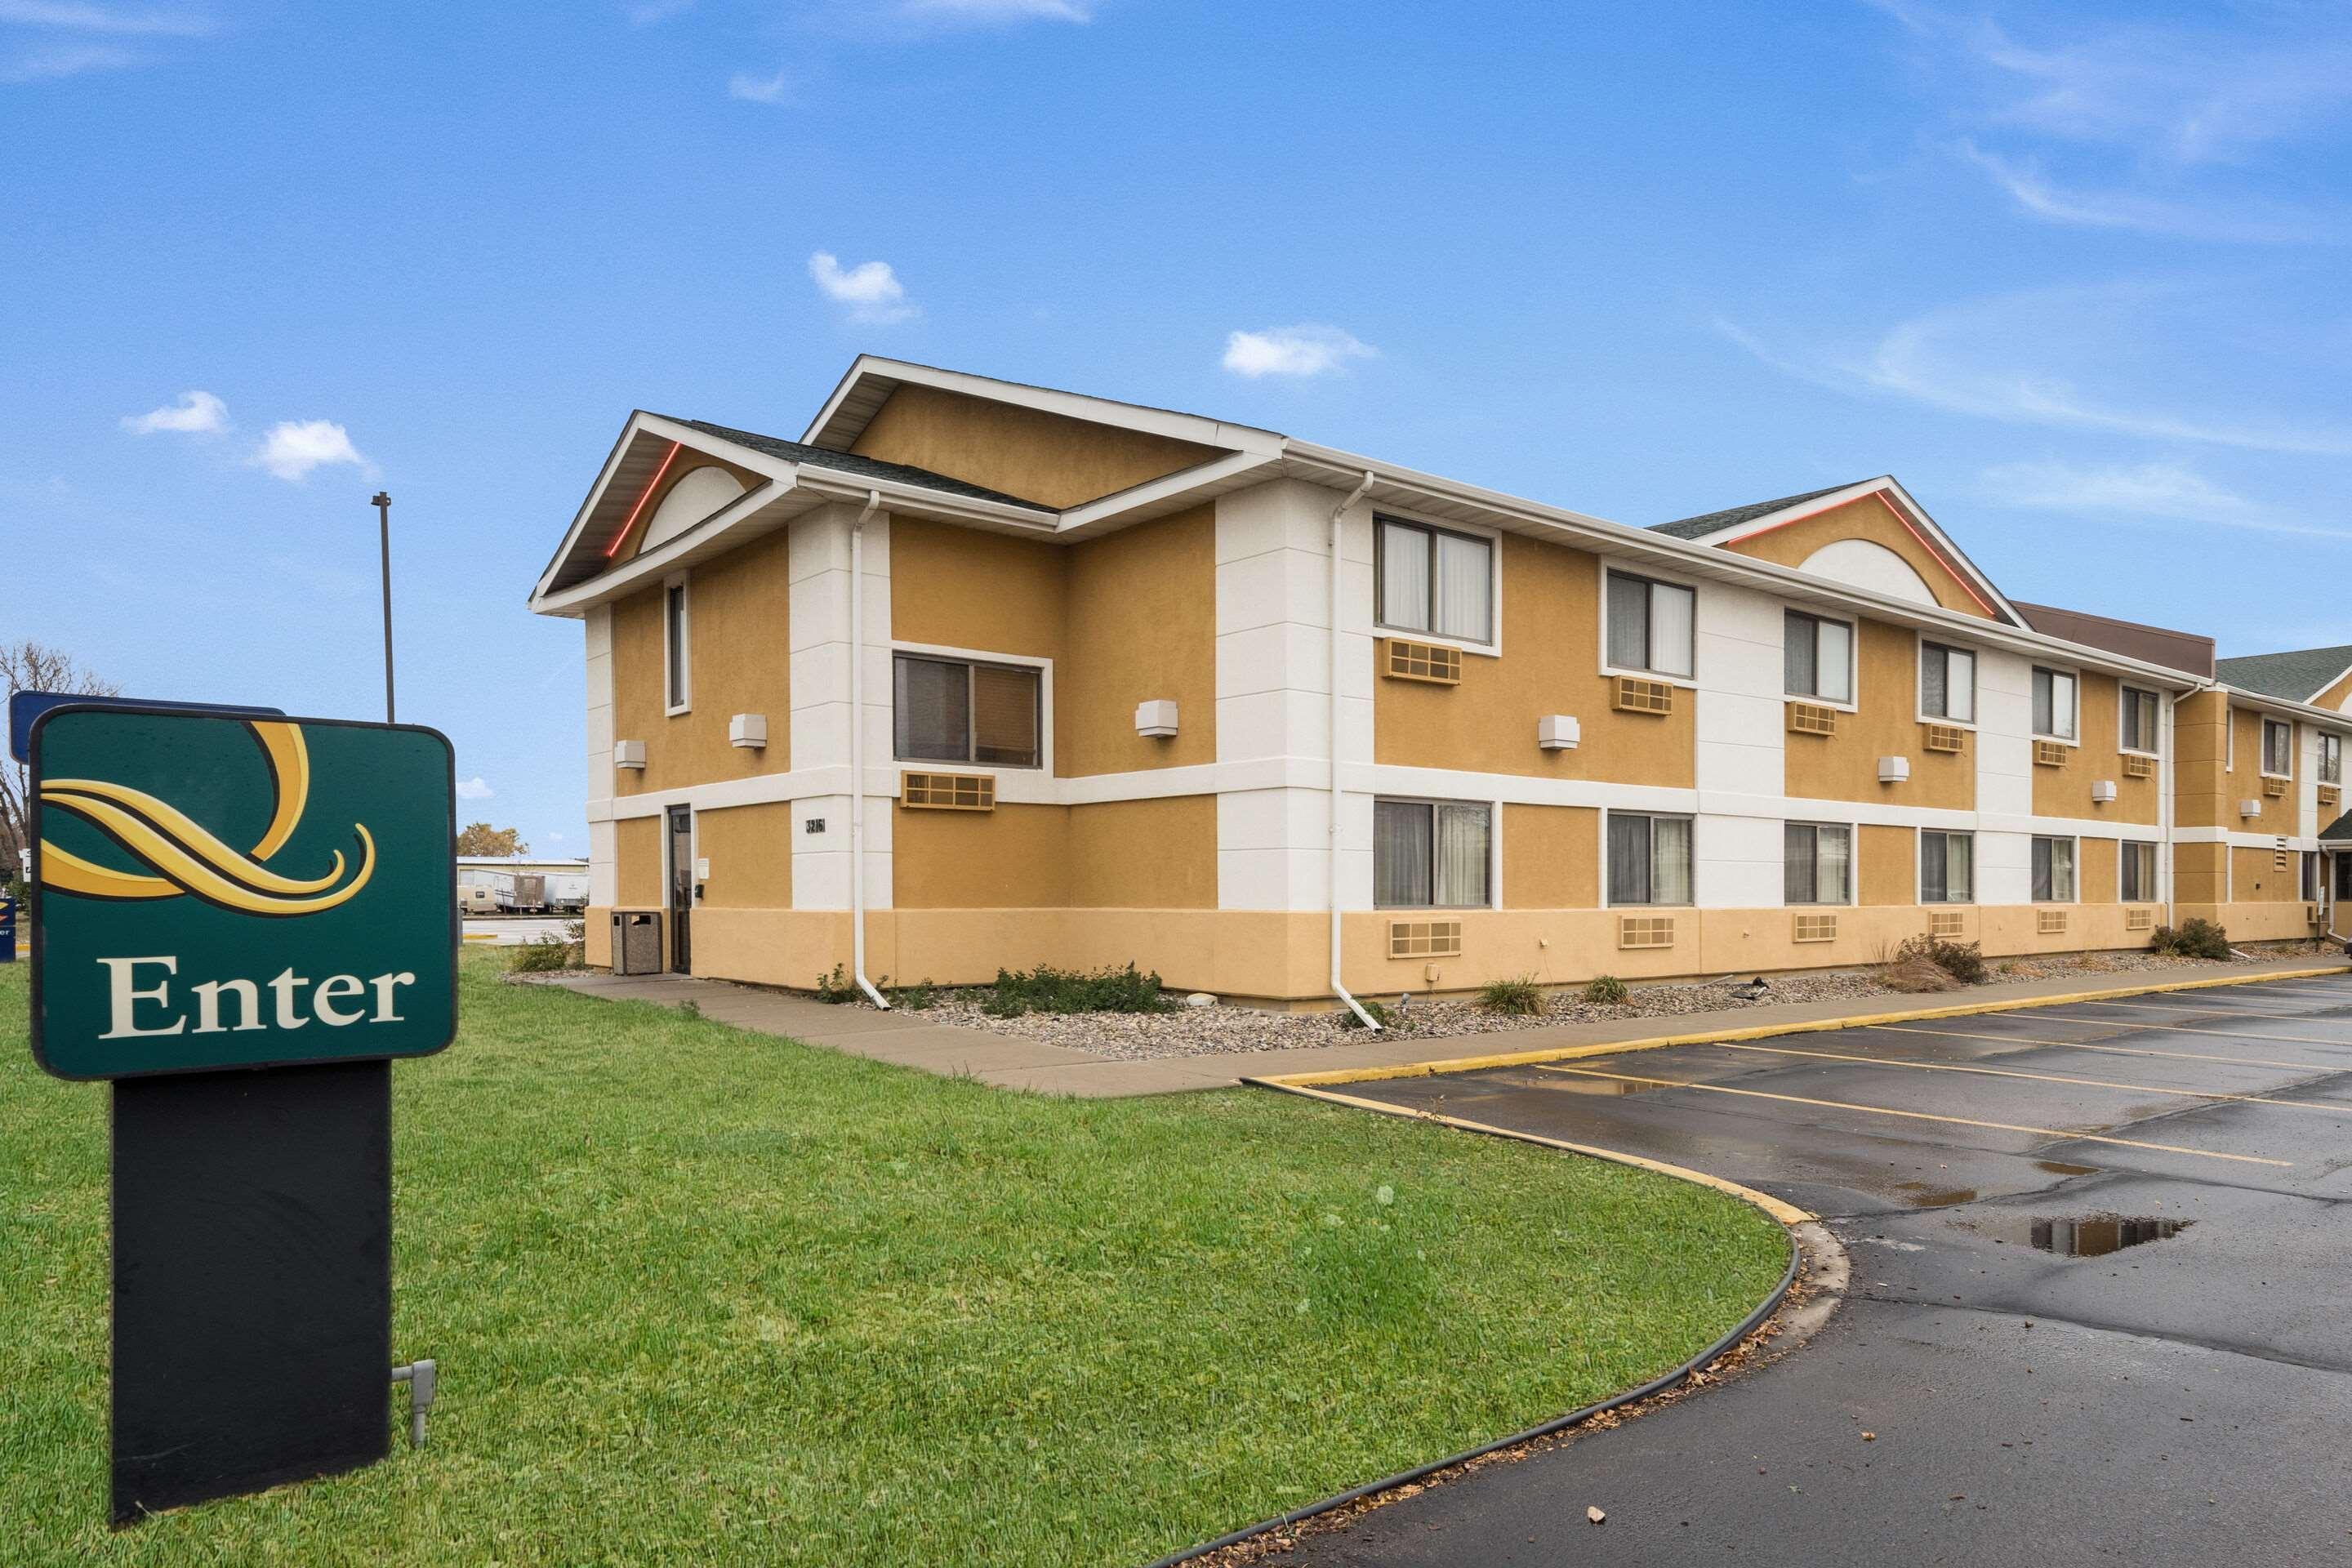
(547,953)
(1963,961)
(1605,990)
(1376,1010)
(914,997)
(2198,938)
(838,987)
(1046,989)
(1917,972)
(1519,996)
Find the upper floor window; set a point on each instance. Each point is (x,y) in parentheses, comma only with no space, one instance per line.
(2278,748)
(952,710)
(676,690)
(2138,720)
(2054,703)
(1948,683)
(2053,871)
(1649,859)
(1650,624)
(2331,759)
(1435,581)
(1819,655)
(1947,868)
(1431,854)
(1817,863)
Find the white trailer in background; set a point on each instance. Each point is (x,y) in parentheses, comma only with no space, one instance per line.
(567,891)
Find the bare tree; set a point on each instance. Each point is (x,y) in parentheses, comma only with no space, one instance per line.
(29,665)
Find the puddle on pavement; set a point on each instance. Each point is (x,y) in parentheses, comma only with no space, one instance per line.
(1920,1195)
(2061,1168)
(2100,1235)
(1609,1086)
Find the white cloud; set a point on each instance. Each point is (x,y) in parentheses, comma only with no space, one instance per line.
(1300,351)
(554,838)
(993,13)
(2169,491)
(474,789)
(870,291)
(64,60)
(85,18)
(197,413)
(2023,180)
(776,88)
(293,447)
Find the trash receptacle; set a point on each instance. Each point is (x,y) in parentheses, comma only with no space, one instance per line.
(636,941)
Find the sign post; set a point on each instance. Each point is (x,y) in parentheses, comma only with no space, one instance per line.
(240,920)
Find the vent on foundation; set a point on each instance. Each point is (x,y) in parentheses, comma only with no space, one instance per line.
(1635,695)
(2050,922)
(2140,919)
(1425,939)
(2049,754)
(1945,923)
(1816,928)
(1432,662)
(1943,737)
(1808,719)
(1645,931)
(948,792)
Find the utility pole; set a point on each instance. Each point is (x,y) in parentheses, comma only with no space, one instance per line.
(382,504)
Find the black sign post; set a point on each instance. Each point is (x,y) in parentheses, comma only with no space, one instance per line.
(240,920)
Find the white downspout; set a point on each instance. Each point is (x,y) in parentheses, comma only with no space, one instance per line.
(1339,512)
(857,749)
(2164,809)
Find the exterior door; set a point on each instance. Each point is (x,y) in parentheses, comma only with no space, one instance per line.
(681,889)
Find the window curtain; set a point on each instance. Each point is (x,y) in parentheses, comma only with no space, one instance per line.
(1628,859)
(1836,866)
(2043,684)
(1404,577)
(931,710)
(1465,585)
(2043,870)
(1935,691)
(1958,862)
(1798,864)
(1670,860)
(1461,856)
(1932,889)
(1005,715)
(1799,642)
(1401,846)
(1835,661)
(1960,678)
(1671,611)
(674,630)
(2061,871)
(1629,623)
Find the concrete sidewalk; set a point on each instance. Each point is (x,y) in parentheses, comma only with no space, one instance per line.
(1008,1062)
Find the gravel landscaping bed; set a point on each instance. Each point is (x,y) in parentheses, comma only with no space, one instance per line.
(1221,1030)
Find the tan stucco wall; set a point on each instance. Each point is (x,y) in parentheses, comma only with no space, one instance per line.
(1890,865)
(2279,814)
(1844,766)
(2095,862)
(636,851)
(1551,857)
(685,463)
(1550,663)
(2335,693)
(2200,789)
(2261,881)
(1870,519)
(1144,854)
(1142,624)
(1043,457)
(2197,877)
(2066,791)
(750,849)
(960,587)
(737,662)
(1140,854)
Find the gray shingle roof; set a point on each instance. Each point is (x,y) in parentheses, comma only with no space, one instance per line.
(865,467)
(1699,527)
(2298,676)
(2338,831)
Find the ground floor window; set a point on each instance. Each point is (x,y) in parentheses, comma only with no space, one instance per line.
(2053,871)
(953,710)
(1817,862)
(1649,859)
(2137,862)
(2310,875)
(1946,866)
(1431,854)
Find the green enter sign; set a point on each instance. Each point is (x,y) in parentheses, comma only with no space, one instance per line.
(214,890)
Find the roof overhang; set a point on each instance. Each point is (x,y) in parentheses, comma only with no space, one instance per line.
(871,381)
(2284,708)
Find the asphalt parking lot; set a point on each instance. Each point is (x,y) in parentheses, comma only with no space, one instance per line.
(2100,1307)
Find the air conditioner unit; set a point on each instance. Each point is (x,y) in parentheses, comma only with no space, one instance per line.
(1558,732)
(2103,790)
(749,731)
(1155,718)
(2250,809)
(629,754)
(1893,770)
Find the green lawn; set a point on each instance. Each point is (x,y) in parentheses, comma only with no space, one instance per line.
(702,1296)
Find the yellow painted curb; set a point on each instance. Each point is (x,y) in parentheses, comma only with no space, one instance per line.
(1785,1213)
(481,936)
(1762,1032)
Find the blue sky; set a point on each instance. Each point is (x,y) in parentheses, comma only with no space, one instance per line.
(2075,274)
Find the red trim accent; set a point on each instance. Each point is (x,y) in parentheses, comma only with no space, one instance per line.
(1925,542)
(651,484)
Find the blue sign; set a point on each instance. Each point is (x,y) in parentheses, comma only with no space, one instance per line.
(24,707)
(7,929)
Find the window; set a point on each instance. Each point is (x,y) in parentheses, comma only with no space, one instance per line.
(951,711)
(1820,657)
(1650,624)
(1649,859)
(2308,877)
(2139,730)
(2137,871)
(2054,704)
(674,690)
(1430,854)
(1435,581)
(1946,863)
(2278,748)
(2053,871)
(1817,863)
(2331,759)
(1948,683)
